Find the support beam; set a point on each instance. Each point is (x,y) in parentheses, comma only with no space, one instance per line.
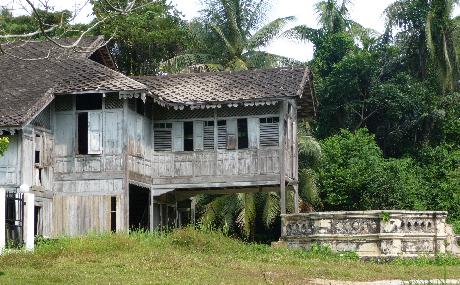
(282,143)
(2,219)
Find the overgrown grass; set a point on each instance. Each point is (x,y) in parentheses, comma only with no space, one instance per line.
(190,256)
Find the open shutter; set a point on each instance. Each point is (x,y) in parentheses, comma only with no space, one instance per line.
(253,132)
(178,136)
(232,133)
(198,135)
(94,132)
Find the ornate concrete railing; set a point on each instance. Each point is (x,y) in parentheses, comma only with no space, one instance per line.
(371,233)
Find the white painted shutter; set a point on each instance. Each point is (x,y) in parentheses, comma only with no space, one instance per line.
(178,136)
(198,135)
(253,132)
(232,133)
(94,133)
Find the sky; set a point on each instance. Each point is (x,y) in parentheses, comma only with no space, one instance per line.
(368,13)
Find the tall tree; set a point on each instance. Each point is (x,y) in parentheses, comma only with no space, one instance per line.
(229,35)
(150,34)
(426,29)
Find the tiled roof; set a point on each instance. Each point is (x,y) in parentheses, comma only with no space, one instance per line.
(32,73)
(204,89)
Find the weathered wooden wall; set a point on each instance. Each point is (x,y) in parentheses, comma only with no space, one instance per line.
(81,214)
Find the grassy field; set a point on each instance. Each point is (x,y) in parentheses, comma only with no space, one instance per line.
(189,256)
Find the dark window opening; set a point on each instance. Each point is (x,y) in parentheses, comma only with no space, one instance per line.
(243,139)
(37,157)
(139,207)
(188,136)
(37,149)
(89,102)
(140,106)
(40,176)
(38,221)
(113,214)
(82,133)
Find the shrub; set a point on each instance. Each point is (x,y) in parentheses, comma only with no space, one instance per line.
(354,175)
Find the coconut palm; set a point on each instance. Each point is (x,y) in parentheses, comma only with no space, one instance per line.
(227,36)
(333,18)
(427,32)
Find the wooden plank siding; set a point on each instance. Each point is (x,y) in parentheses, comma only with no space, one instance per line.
(79,214)
(203,165)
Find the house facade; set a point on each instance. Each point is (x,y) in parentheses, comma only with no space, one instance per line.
(104,152)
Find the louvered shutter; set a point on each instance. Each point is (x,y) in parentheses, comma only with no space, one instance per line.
(269,132)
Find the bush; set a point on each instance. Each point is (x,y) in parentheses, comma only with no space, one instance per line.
(354,175)
(441,175)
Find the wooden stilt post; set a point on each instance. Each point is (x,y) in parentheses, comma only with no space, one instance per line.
(193,211)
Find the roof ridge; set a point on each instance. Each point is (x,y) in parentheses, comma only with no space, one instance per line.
(200,74)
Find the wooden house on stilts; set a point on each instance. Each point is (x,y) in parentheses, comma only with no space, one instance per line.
(101,151)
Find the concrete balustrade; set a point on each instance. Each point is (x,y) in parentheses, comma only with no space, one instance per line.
(371,233)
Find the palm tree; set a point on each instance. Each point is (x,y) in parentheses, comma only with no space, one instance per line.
(333,18)
(427,33)
(227,37)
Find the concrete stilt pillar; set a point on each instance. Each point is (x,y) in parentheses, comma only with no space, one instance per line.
(29,220)
(296,199)
(2,219)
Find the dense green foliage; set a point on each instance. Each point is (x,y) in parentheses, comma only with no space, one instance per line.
(191,256)
(3,145)
(152,33)
(389,123)
(20,25)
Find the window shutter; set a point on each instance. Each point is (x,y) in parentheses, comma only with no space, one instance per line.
(162,140)
(208,135)
(178,136)
(198,135)
(94,133)
(222,134)
(253,132)
(269,132)
(232,133)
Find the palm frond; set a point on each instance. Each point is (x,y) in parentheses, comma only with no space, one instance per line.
(271,208)
(230,48)
(310,153)
(308,187)
(267,33)
(303,33)
(180,62)
(246,218)
(261,59)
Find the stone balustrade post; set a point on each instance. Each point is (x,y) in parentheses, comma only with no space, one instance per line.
(29,216)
